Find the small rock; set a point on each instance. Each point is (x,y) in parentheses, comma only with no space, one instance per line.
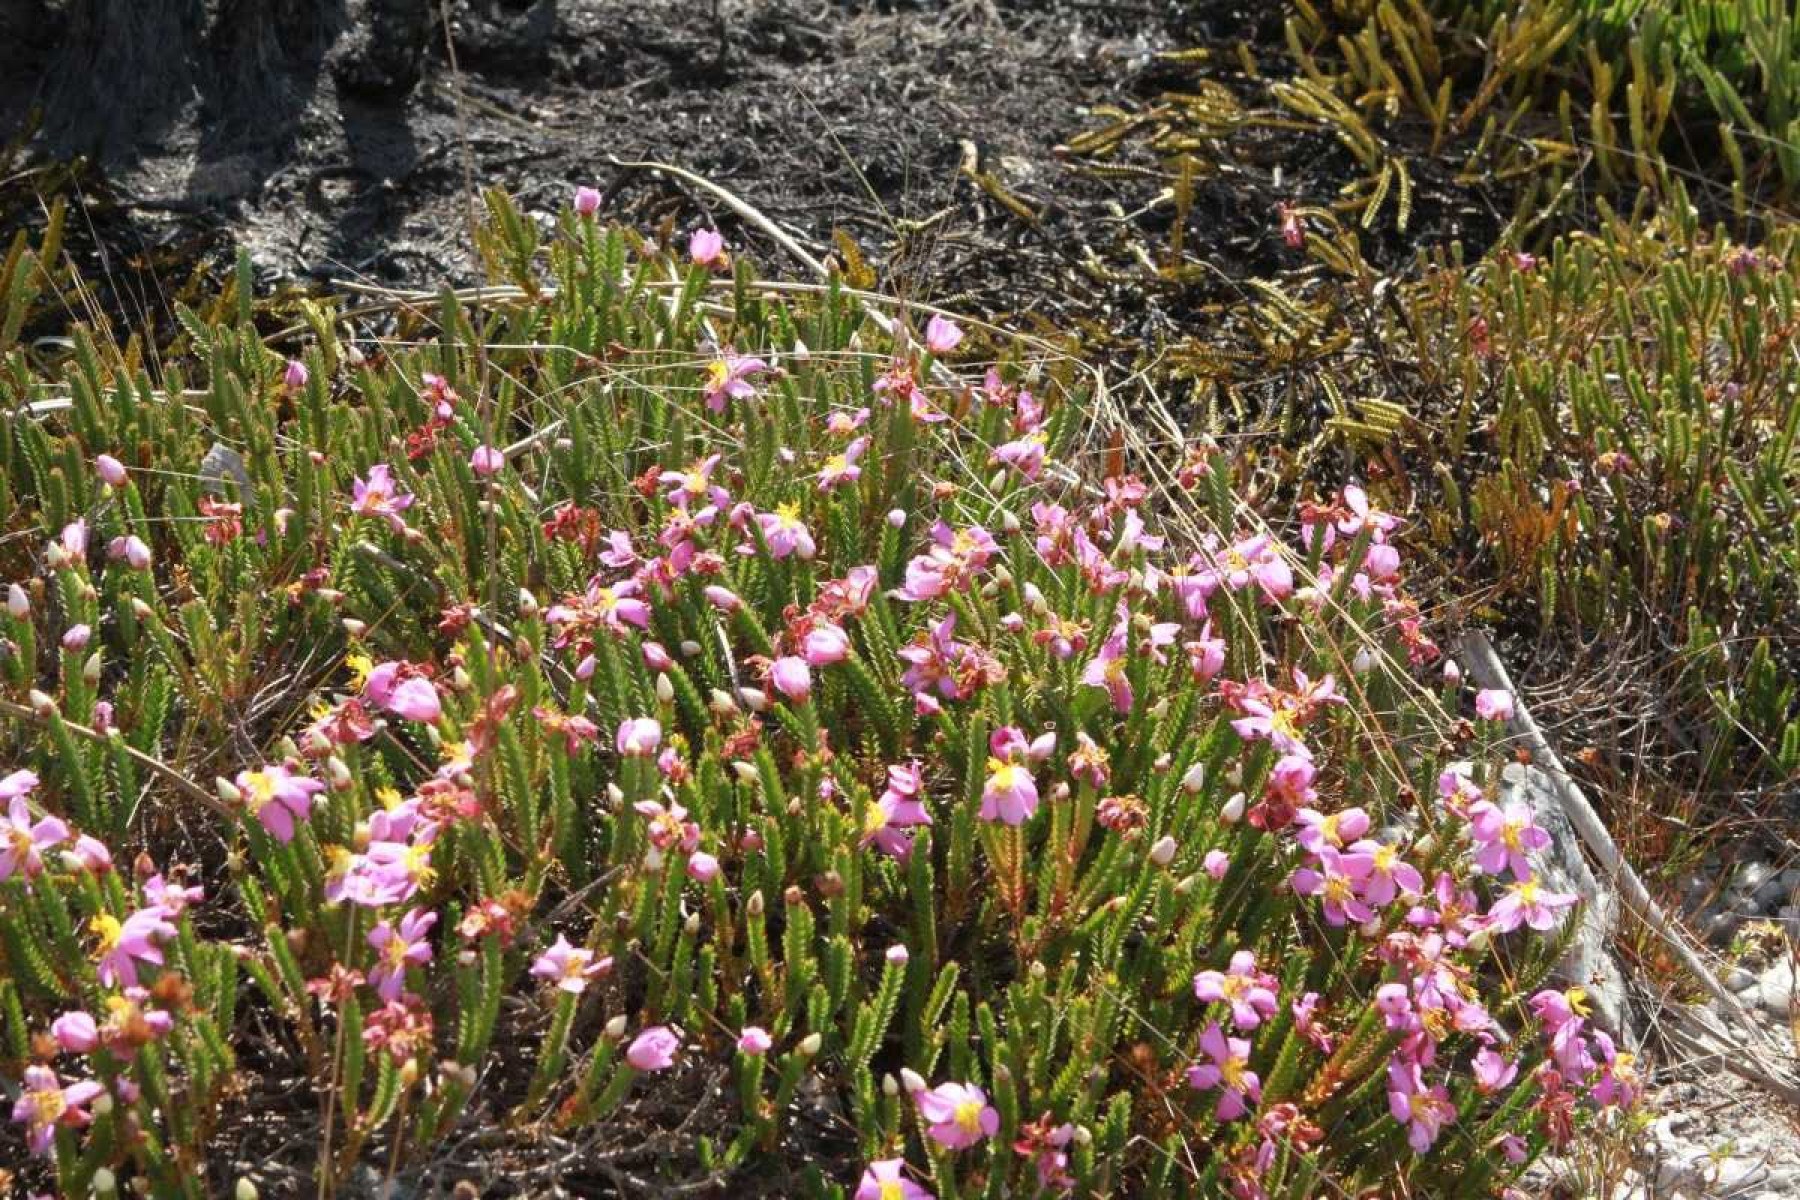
(1775,989)
(1739,980)
(1750,876)
(1720,927)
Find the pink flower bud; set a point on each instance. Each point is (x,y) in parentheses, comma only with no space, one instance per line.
(702,867)
(295,376)
(638,737)
(75,1032)
(587,201)
(77,637)
(754,1041)
(486,461)
(110,470)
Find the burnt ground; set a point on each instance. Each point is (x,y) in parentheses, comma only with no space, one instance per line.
(873,119)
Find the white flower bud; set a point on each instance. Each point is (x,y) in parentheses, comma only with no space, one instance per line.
(140,610)
(912,1081)
(1233,812)
(615,1028)
(40,702)
(721,703)
(665,689)
(1163,852)
(1009,521)
(1364,660)
(615,795)
(689,648)
(528,604)
(754,905)
(1083,1136)
(90,670)
(245,1190)
(105,1182)
(754,699)
(809,1045)
(1193,780)
(228,791)
(746,772)
(889,1085)
(354,627)
(102,1105)
(18,604)
(691,926)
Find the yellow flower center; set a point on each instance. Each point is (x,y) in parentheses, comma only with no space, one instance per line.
(718,374)
(259,789)
(1004,776)
(107,929)
(1231,1071)
(890,1190)
(874,820)
(1578,1001)
(49,1105)
(968,1116)
(360,665)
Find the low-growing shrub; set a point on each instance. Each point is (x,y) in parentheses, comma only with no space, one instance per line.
(628,701)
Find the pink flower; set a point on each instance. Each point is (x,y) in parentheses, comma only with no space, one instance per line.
(1503,839)
(396,949)
(75,1032)
(1109,669)
(609,607)
(587,201)
(1251,993)
(1338,878)
(1423,1111)
(843,468)
(653,1050)
(569,967)
(1525,902)
(378,496)
(294,376)
(702,867)
(1024,455)
(278,798)
(487,461)
(883,1180)
(728,379)
(22,840)
(1494,704)
(1492,1072)
(1388,874)
(1337,830)
(785,533)
(1256,560)
(1229,1071)
(942,335)
(958,1115)
(638,737)
(899,808)
(172,898)
(754,1041)
(403,690)
(45,1103)
(110,470)
(122,945)
(707,248)
(1216,863)
(1010,794)
(790,676)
